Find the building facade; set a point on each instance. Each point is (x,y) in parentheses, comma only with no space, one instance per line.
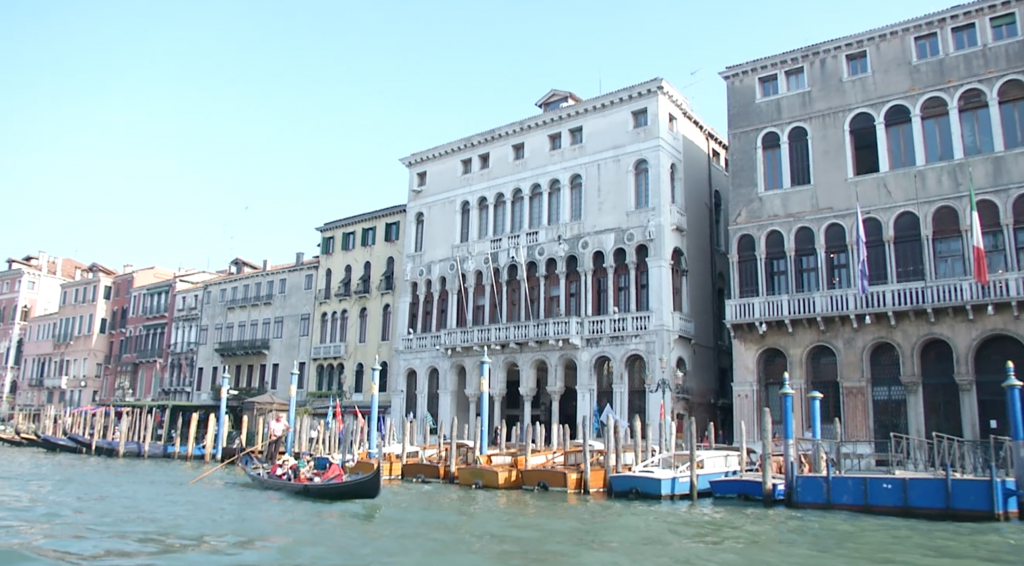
(903,120)
(256,322)
(356,301)
(40,373)
(561,243)
(187,298)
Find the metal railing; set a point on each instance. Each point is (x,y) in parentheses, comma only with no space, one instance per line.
(242,347)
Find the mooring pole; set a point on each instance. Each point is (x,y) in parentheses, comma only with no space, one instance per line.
(485,374)
(814,399)
(787,431)
(374,381)
(223,411)
(293,390)
(1012,386)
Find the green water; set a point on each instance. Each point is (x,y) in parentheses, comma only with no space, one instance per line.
(66,509)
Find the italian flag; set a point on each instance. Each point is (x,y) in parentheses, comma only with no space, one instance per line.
(977,243)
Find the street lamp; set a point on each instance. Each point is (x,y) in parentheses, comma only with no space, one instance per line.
(664,385)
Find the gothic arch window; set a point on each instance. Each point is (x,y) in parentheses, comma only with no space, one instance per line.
(899,132)
(621,281)
(385,324)
(636,369)
(806,261)
(771,160)
(940,390)
(864,144)
(947,243)
(414,308)
(410,393)
(605,391)
(554,203)
(433,397)
(573,289)
(418,238)
(327,283)
(938,138)
(1011,113)
(576,197)
(552,290)
(324,328)
(532,291)
(989,374)
(1018,230)
(600,285)
(443,296)
(482,214)
(357,387)
(517,211)
(343,327)
(363,322)
(878,262)
(975,123)
(499,215)
(464,222)
(888,395)
(746,251)
(677,280)
(799,157)
(513,285)
(771,365)
(382,378)
(776,264)
(536,207)
(641,184)
(320,378)
(479,299)
(837,257)
(993,236)
(643,292)
(672,184)
(907,247)
(823,375)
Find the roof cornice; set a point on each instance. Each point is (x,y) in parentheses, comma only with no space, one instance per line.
(396,210)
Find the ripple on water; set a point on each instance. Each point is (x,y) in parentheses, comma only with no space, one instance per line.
(67,509)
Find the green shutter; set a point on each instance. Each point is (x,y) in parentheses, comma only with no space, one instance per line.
(1004,20)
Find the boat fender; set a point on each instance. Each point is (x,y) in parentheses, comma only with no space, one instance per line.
(543,486)
(478,484)
(420,478)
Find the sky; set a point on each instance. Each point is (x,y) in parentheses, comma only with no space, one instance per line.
(186,133)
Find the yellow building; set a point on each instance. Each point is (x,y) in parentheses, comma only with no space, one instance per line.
(356,303)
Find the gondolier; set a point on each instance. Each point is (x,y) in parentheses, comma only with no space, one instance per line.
(278,429)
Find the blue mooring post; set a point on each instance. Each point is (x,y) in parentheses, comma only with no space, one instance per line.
(1012,386)
(787,431)
(485,374)
(222,413)
(814,400)
(374,381)
(293,390)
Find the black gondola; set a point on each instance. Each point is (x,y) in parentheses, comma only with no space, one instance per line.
(352,487)
(11,440)
(59,444)
(32,440)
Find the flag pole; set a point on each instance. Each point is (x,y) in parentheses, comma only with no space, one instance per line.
(526,282)
(979,265)
(494,291)
(462,291)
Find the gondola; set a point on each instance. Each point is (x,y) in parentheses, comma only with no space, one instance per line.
(31,440)
(11,440)
(354,486)
(60,444)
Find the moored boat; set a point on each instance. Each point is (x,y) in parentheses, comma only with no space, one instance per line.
(493,471)
(354,486)
(566,473)
(748,486)
(667,475)
(31,440)
(432,467)
(60,444)
(11,440)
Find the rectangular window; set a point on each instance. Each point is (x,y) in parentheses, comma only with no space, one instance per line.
(796,80)
(302,376)
(199,379)
(207,296)
(229,332)
(304,325)
(327,245)
(369,237)
(203,332)
(391,231)
(278,328)
(421,178)
(266,329)
(927,46)
(92,296)
(31,285)
(769,85)
(1004,27)
(274,372)
(484,161)
(640,118)
(576,136)
(857,64)
(270,287)
(218,333)
(73,301)
(467,166)
(308,283)
(673,123)
(282,286)
(257,289)
(213,377)
(103,326)
(348,241)
(518,151)
(555,141)
(88,324)
(965,37)
(245,291)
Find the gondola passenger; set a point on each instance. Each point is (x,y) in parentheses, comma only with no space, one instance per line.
(334,471)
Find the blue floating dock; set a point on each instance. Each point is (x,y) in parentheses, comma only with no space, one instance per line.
(747,486)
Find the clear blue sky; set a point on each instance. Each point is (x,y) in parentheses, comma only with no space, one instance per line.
(185,133)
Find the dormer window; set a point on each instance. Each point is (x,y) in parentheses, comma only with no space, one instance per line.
(556,104)
(556,99)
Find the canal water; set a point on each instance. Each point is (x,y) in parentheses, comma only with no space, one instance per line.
(66,509)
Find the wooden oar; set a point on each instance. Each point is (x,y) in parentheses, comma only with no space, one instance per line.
(228,461)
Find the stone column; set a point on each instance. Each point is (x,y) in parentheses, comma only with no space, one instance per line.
(890,256)
(586,297)
(882,143)
(1011,260)
(998,143)
(915,405)
(496,415)
(453,302)
(919,156)
(556,395)
(610,278)
(926,241)
(563,294)
(471,419)
(968,407)
(954,128)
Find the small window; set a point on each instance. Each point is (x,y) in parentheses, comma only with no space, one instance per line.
(308,283)
(391,231)
(716,157)
(348,241)
(769,85)
(576,136)
(369,236)
(965,37)
(467,166)
(484,160)
(518,151)
(1004,27)
(327,245)
(795,80)
(421,178)
(640,118)
(927,46)
(673,123)
(857,64)
(555,141)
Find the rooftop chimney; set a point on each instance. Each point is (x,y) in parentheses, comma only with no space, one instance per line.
(299,256)
(266,265)
(44,262)
(128,268)
(57,268)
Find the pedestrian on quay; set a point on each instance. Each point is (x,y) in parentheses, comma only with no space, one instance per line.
(278,428)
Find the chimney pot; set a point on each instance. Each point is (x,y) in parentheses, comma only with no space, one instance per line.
(128,268)
(266,265)
(299,256)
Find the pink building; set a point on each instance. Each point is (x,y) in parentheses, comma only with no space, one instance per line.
(29,287)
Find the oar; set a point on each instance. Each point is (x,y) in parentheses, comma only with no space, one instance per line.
(228,461)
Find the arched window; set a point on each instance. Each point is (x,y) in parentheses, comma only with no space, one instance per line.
(324,328)
(864,144)
(533,298)
(641,184)
(479,299)
(327,284)
(427,323)
(363,322)
(554,203)
(358,385)
(1011,113)
(621,281)
(517,211)
(334,327)
(938,139)
(573,292)
(823,374)
(414,308)
(552,290)
(364,281)
(672,183)
(442,305)
(385,324)
(975,123)
(799,157)
(343,327)
(837,256)
(947,244)
(499,215)
(418,240)
(776,272)
(643,301)
(464,223)
(907,248)
(600,285)
(989,374)
(888,395)
(636,371)
(940,390)
(1018,230)
(806,261)
(899,132)
(481,218)
(717,204)
(410,393)
(771,368)
(345,287)
(536,207)
(677,280)
(382,378)
(771,161)
(878,262)
(320,378)
(992,235)
(746,251)
(576,197)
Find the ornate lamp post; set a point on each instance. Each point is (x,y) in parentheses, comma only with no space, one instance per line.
(664,385)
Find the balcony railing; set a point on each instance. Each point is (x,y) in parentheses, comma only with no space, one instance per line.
(149,354)
(321,351)
(323,295)
(243,347)
(344,291)
(185,346)
(572,329)
(250,300)
(683,324)
(883,298)
(154,312)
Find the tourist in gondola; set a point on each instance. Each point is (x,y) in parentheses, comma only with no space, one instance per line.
(334,471)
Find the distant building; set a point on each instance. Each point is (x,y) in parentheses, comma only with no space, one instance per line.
(256,323)
(902,120)
(187,299)
(357,298)
(562,243)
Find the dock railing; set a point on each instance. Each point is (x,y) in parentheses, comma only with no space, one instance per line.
(911,454)
(973,458)
(845,456)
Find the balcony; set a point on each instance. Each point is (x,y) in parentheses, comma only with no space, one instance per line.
(682,324)
(571,329)
(323,296)
(149,355)
(678,220)
(182,347)
(344,291)
(322,351)
(242,347)
(56,382)
(154,312)
(363,288)
(888,299)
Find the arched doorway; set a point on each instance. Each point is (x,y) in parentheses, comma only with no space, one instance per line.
(459,393)
(771,365)
(410,394)
(636,369)
(567,408)
(888,395)
(433,393)
(603,379)
(989,373)
(542,399)
(823,377)
(512,403)
(940,390)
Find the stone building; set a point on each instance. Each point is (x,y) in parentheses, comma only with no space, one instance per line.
(356,300)
(183,341)
(902,119)
(562,243)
